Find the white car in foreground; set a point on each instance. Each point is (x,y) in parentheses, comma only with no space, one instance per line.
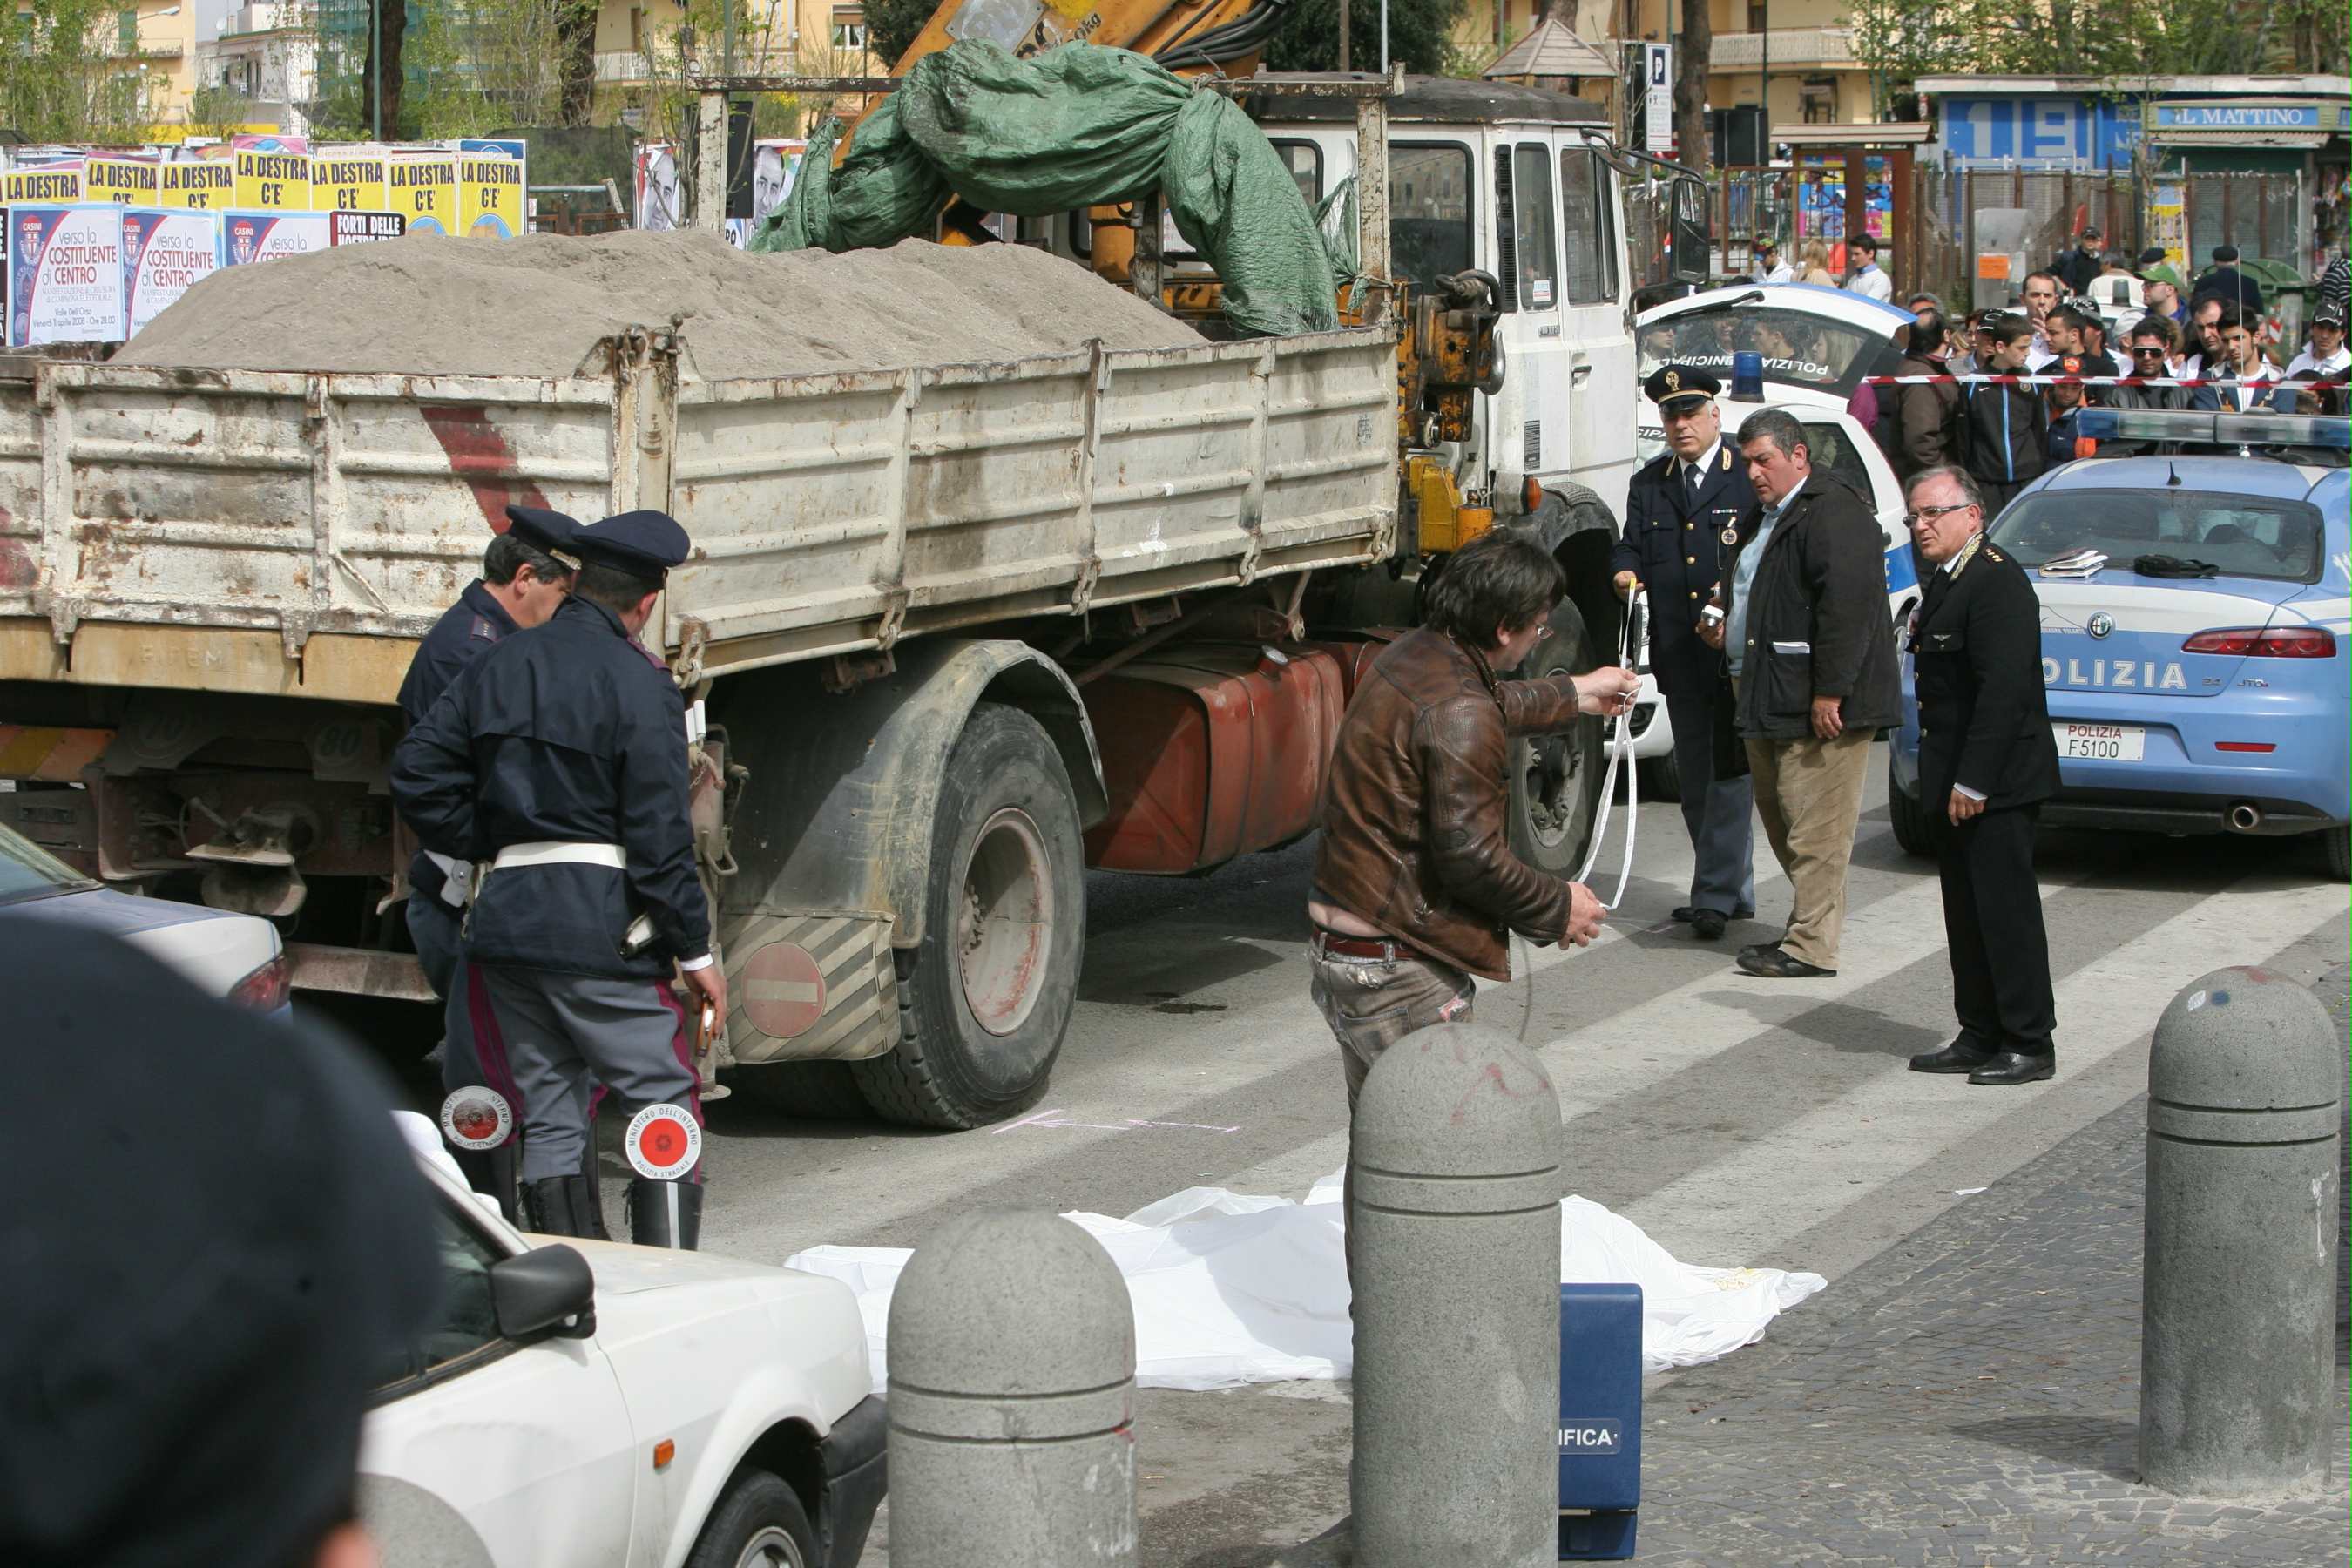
(591,1404)
(235,956)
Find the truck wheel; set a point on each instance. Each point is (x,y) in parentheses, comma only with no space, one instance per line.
(759,1522)
(1556,780)
(984,1000)
(1662,778)
(820,1091)
(1913,828)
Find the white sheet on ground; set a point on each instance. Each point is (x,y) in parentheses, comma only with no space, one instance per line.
(1231,1288)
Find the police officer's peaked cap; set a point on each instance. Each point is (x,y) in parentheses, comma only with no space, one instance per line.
(1672,383)
(643,543)
(218,1244)
(550,532)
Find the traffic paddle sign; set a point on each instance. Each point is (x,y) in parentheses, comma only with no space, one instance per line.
(477,1117)
(662,1143)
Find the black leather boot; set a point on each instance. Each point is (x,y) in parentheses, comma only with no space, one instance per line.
(597,1231)
(649,1212)
(562,1205)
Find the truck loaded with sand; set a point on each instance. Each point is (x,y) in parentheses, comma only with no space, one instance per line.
(1000,571)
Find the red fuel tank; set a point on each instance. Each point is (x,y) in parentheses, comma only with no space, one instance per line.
(1210,751)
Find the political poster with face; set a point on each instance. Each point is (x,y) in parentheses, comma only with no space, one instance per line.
(165,253)
(65,275)
(775,165)
(273,172)
(423,190)
(196,185)
(350,179)
(659,204)
(265,237)
(489,196)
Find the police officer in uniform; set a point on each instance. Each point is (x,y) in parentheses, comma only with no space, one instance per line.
(1986,761)
(1679,512)
(557,763)
(525,573)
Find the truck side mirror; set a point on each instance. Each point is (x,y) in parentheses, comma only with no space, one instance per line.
(1689,229)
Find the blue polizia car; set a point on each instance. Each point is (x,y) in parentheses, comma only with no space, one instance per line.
(2187,704)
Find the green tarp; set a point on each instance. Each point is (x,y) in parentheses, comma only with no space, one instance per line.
(1075,127)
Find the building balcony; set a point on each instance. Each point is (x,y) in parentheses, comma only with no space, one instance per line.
(621,68)
(1794,48)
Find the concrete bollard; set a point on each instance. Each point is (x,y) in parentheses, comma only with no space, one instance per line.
(1012,1399)
(1455,1157)
(2238,1310)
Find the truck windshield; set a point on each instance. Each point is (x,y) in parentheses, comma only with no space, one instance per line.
(2271,538)
(1800,349)
(1429,209)
(29,871)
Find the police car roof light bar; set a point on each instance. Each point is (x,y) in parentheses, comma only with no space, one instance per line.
(2328,433)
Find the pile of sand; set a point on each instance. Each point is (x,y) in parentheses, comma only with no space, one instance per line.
(537,306)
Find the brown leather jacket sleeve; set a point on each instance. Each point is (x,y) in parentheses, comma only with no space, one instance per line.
(1462,751)
(1537,707)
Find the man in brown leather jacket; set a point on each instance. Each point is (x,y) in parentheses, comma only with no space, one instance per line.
(1415,883)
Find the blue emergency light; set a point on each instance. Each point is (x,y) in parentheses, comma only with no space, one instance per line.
(1600,1420)
(1747,376)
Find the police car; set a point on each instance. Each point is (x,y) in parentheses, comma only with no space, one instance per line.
(2193,630)
(638,1409)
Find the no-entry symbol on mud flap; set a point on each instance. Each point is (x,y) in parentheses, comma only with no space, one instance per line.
(477,1117)
(662,1143)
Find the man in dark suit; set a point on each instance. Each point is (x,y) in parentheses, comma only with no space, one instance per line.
(1676,512)
(1986,761)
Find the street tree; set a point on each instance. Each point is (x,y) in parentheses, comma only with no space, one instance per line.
(66,77)
(1692,59)
(1421,35)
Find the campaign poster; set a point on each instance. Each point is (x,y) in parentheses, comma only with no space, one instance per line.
(273,172)
(425,191)
(130,181)
(350,179)
(489,196)
(166,251)
(196,185)
(656,186)
(775,165)
(265,236)
(365,229)
(65,275)
(55,183)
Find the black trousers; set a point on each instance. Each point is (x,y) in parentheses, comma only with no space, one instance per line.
(1993,924)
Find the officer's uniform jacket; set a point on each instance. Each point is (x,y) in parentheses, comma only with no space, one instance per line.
(474,622)
(568,736)
(1672,542)
(1984,718)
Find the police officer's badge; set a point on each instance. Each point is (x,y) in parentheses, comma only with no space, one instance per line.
(1674,382)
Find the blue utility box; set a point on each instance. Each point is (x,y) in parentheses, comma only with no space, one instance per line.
(1600,1420)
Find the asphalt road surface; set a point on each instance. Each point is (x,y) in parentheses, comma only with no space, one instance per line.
(1738,1119)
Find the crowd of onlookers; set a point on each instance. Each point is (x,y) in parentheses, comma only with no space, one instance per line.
(2092,313)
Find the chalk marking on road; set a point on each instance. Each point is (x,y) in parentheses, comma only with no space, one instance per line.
(1802,1173)
(1057,1117)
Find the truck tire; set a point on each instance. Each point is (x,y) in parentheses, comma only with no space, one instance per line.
(986,998)
(1913,830)
(819,1091)
(758,1522)
(1556,780)
(1662,778)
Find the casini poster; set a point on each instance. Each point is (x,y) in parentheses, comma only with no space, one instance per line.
(490,195)
(273,172)
(65,274)
(128,181)
(265,237)
(198,185)
(52,183)
(350,179)
(165,253)
(425,192)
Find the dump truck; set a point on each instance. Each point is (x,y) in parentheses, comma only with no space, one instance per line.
(959,632)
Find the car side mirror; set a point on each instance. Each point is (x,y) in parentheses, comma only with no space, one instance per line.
(546,1289)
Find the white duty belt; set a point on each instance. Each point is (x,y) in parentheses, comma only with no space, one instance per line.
(457,878)
(555,852)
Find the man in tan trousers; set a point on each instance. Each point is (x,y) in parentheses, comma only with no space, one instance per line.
(1809,648)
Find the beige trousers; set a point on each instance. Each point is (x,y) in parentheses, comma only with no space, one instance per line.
(1809,793)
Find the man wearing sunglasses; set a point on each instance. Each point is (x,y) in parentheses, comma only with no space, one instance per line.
(1986,761)
(2148,351)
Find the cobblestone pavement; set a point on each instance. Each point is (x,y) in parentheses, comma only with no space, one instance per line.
(1971,1396)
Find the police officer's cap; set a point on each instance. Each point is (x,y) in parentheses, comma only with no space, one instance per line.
(643,543)
(550,532)
(1674,385)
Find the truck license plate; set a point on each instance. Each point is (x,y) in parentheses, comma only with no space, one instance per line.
(2101,742)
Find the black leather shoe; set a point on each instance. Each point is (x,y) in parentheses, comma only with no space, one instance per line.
(1775,962)
(1684,912)
(2014,1066)
(1954,1057)
(1707,925)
